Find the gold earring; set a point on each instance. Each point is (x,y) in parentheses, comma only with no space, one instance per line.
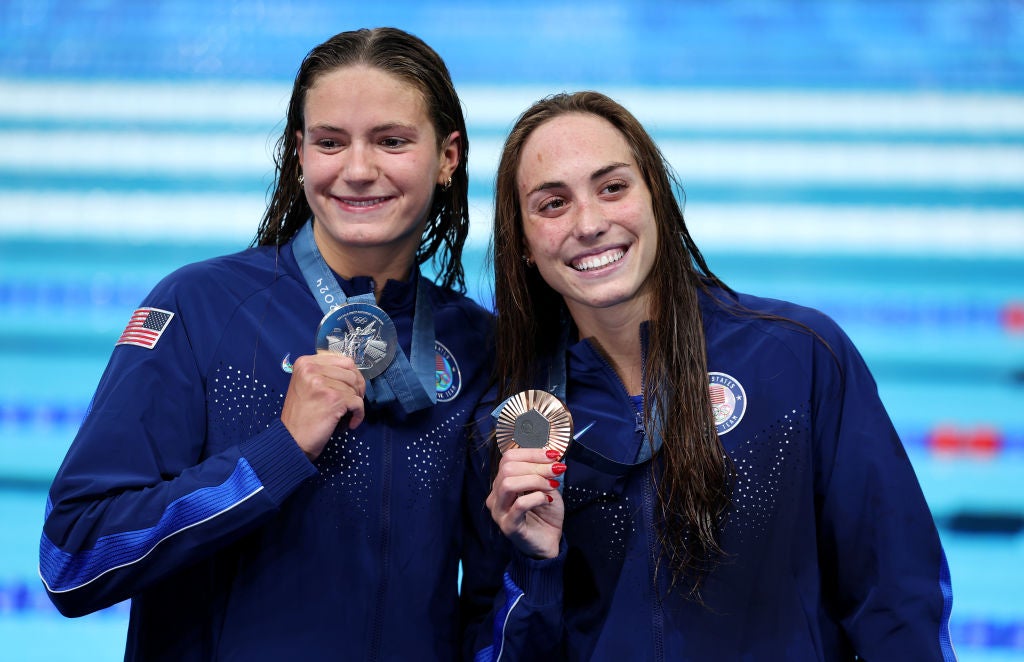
(302,180)
(447,184)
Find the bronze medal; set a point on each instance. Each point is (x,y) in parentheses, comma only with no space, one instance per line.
(534,419)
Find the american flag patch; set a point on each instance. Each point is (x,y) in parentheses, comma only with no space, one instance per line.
(145,327)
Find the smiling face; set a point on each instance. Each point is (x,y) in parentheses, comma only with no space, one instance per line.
(587,218)
(370,162)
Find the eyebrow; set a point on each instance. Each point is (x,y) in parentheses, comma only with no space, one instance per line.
(387,126)
(597,174)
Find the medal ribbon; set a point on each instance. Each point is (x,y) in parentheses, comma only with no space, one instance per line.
(412,383)
(557,379)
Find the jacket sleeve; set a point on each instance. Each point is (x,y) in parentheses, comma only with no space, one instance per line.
(511,604)
(139,495)
(881,555)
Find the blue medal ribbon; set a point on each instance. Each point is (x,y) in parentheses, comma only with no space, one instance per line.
(557,382)
(412,383)
(557,379)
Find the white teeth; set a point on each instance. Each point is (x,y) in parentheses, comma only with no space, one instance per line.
(364,203)
(586,264)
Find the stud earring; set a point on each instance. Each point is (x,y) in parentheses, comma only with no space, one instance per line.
(302,180)
(447,184)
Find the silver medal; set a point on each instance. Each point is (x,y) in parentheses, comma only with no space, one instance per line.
(361,331)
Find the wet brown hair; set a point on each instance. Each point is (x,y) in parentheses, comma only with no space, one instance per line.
(407,57)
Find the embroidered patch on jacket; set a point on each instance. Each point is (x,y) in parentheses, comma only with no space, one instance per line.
(448,379)
(145,327)
(728,401)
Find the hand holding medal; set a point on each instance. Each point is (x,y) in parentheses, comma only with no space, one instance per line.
(533,430)
(325,389)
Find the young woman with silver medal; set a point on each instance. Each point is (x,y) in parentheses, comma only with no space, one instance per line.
(275,467)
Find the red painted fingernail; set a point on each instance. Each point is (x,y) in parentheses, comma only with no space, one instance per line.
(558,468)
(552,454)
(554,483)
(550,498)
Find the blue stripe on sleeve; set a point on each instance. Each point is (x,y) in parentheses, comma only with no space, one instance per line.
(63,571)
(513,594)
(945,641)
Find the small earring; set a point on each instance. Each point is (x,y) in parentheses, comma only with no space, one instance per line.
(527,260)
(302,180)
(447,184)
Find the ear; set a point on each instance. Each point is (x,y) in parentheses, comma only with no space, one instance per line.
(450,151)
(298,146)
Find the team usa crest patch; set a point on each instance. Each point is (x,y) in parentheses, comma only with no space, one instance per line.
(728,401)
(448,379)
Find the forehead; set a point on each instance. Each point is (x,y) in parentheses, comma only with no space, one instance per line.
(368,90)
(571,145)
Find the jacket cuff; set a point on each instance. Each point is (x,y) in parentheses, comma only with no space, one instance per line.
(539,579)
(278,461)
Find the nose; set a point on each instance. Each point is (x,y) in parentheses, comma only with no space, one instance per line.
(359,165)
(590,221)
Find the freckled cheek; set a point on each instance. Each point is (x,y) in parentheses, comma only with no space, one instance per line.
(543,239)
(632,215)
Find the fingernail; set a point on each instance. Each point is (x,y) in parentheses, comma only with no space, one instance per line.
(552,454)
(558,468)
(554,483)
(550,498)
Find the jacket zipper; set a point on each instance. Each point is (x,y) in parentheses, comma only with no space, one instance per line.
(657,614)
(385,545)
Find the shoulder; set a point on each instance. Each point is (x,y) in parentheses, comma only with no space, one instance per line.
(786,351)
(228,277)
(777,335)
(206,296)
(785,321)
(229,271)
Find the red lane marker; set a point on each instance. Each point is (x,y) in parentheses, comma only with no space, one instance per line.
(949,439)
(1013,317)
(945,439)
(984,441)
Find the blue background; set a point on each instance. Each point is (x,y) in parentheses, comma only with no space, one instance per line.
(863,157)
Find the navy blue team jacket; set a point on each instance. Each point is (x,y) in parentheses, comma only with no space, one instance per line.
(831,550)
(184,491)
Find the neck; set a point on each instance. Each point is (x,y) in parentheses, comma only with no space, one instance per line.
(617,332)
(381,263)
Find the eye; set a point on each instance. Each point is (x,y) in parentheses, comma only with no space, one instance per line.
(393,143)
(551,204)
(612,188)
(328,143)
